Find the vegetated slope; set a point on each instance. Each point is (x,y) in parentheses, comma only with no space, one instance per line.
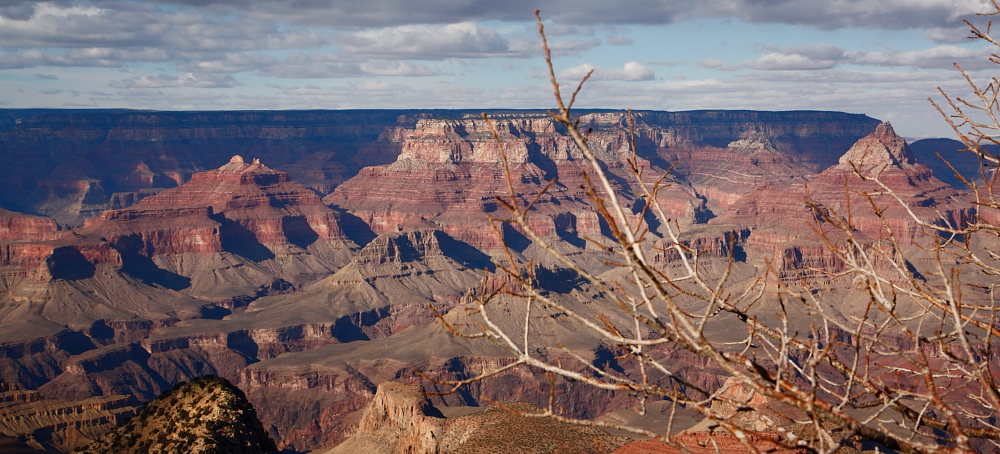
(206,415)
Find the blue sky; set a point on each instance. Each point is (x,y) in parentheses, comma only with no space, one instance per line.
(878,57)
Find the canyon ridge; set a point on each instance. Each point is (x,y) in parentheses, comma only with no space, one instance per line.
(302,255)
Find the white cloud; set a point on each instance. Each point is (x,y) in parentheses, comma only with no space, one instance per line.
(632,72)
(190,80)
(423,42)
(717,65)
(825,56)
(320,65)
(777,61)
(941,57)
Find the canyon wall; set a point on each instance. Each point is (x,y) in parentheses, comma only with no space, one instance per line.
(305,255)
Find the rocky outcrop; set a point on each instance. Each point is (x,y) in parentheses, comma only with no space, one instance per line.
(399,419)
(878,151)
(885,155)
(206,415)
(705,443)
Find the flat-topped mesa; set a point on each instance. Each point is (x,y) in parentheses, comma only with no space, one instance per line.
(470,140)
(880,150)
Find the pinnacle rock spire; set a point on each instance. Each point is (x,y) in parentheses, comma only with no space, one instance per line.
(880,150)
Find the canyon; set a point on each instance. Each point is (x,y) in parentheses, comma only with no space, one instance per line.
(303,255)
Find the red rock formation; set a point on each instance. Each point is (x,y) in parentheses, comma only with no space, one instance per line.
(783,223)
(26,228)
(34,246)
(885,155)
(724,176)
(461,160)
(262,201)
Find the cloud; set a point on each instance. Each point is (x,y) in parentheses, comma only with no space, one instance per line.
(632,72)
(45,76)
(190,80)
(231,63)
(139,25)
(825,56)
(320,65)
(717,65)
(619,40)
(34,58)
(940,57)
(422,42)
(831,14)
(570,46)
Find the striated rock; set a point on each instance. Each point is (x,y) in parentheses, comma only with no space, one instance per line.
(206,415)
(724,176)
(783,224)
(263,202)
(195,237)
(887,156)
(58,425)
(463,161)
(26,228)
(241,272)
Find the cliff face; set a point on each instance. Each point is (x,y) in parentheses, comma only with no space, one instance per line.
(310,303)
(75,162)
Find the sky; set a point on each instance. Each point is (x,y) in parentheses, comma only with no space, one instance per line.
(882,58)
